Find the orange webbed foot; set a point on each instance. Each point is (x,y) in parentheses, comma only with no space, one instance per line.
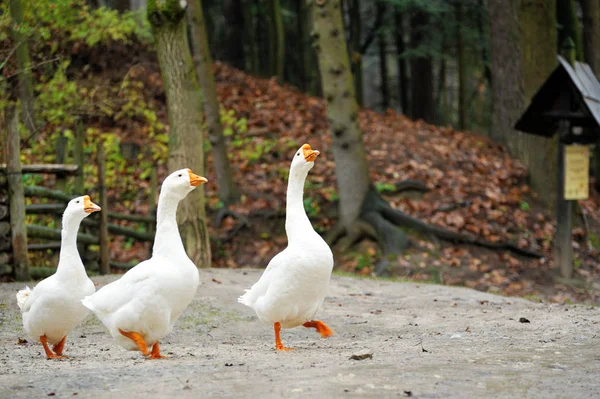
(138,339)
(49,354)
(156,352)
(59,347)
(278,345)
(320,327)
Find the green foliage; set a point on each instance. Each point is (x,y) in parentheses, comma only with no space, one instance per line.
(54,24)
(311,206)
(524,206)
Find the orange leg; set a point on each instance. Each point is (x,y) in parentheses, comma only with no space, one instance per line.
(58,348)
(139,341)
(278,345)
(320,326)
(49,353)
(156,352)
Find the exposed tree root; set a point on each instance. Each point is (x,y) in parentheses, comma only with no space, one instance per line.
(224,212)
(408,185)
(379,220)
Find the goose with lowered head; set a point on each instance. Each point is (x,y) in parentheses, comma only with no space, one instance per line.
(53,308)
(141,307)
(293,286)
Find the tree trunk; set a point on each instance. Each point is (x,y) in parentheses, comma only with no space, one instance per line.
(250,48)
(25,79)
(507,78)
(462,67)
(383,70)
(276,40)
(233,12)
(356,56)
(537,21)
(421,71)
(342,111)
(228,192)
(184,105)
(591,50)
(568,25)
(402,68)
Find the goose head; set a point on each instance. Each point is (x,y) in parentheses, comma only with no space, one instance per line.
(181,182)
(304,158)
(81,207)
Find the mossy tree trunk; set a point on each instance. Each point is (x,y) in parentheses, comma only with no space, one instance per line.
(383,70)
(184,106)
(276,40)
(228,192)
(355,43)
(568,25)
(25,80)
(537,21)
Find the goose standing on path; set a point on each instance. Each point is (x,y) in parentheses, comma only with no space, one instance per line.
(53,308)
(293,286)
(141,307)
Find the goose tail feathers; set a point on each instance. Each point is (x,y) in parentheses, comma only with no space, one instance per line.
(22,296)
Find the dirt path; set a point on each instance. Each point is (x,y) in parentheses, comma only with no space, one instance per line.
(429,340)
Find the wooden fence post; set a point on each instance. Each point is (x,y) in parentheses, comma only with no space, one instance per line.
(103,228)
(16,194)
(78,155)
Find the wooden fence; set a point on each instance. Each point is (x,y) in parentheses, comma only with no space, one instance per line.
(17,237)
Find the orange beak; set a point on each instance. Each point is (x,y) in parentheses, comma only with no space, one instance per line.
(309,154)
(89,206)
(196,180)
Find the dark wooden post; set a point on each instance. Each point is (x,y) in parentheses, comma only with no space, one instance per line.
(17,195)
(103,228)
(563,247)
(78,156)
(61,158)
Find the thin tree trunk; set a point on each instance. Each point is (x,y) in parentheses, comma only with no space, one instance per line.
(462,67)
(591,46)
(184,105)
(233,52)
(356,56)
(250,48)
(276,40)
(402,68)
(342,111)
(228,192)
(383,70)
(423,105)
(568,25)
(103,201)
(24,78)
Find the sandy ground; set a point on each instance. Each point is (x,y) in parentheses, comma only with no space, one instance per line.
(426,341)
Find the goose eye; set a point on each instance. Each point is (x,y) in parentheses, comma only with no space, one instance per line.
(78,202)
(179,175)
(298,154)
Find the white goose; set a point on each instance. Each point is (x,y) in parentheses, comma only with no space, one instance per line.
(293,286)
(53,308)
(141,307)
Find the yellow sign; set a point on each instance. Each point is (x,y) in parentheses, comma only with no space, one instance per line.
(577,164)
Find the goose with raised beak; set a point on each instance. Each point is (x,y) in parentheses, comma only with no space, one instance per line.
(141,307)
(293,286)
(53,308)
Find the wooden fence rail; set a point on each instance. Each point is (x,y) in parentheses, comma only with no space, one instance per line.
(13,229)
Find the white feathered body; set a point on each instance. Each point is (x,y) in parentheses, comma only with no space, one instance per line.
(292,288)
(53,308)
(148,299)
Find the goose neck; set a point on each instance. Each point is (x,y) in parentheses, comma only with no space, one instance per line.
(167,239)
(296,222)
